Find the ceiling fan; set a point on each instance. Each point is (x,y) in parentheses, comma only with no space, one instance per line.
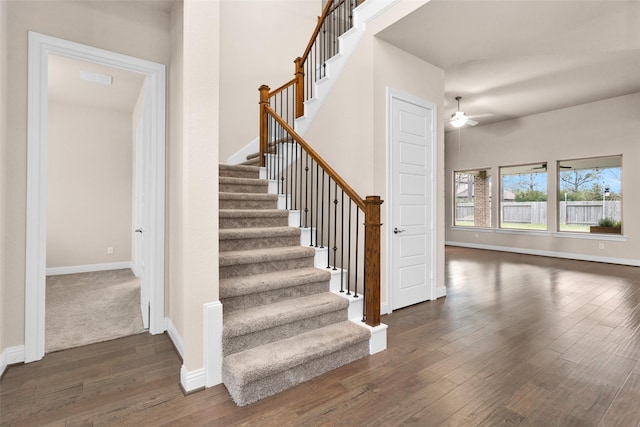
(459,118)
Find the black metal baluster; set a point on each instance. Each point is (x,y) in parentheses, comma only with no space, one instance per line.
(329,220)
(355,288)
(306,193)
(311,204)
(287,170)
(342,243)
(335,225)
(322,213)
(349,253)
(317,200)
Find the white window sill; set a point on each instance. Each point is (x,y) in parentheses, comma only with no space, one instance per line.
(590,236)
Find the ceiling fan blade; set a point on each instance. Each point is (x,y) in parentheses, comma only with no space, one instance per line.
(477,116)
(471,122)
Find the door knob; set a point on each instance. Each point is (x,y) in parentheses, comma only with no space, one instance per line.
(139,230)
(396,230)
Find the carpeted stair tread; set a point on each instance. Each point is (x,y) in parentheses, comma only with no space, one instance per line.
(238,286)
(245,292)
(264,255)
(258,233)
(239,171)
(244,322)
(240,369)
(241,181)
(235,239)
(248,201)
(252,218)
(253,213)
(251,162)
(242,185)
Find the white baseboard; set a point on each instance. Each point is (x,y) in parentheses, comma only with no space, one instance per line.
(384,308)
(175,336)
(441,291)
(11,355)
(378,339)
(192,381)
(88,268)
(553,254)
(213,343)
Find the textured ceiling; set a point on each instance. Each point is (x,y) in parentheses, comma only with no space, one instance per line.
(515,58)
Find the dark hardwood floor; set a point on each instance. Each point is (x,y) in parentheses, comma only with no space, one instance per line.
(519,340)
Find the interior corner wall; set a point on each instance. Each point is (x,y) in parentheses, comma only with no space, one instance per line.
(602,128)
(174,293)
(89,181)
(259,41)
(200,145)
(130,28)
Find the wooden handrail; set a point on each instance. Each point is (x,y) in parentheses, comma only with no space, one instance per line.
(321,18)
(283,87)
(359,201)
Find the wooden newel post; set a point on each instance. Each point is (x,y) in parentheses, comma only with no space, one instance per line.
(264,122)
(299,87)
(372,259)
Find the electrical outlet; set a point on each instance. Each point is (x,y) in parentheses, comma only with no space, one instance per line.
(110,250)
(601,245)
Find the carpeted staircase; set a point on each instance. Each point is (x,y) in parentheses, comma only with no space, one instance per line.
(282,326)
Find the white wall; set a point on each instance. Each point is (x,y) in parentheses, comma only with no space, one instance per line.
(603,128)
(258,42)
(89,181)
(198,202)
(3,170)
(130,28)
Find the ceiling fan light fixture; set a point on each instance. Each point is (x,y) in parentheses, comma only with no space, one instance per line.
(458,120)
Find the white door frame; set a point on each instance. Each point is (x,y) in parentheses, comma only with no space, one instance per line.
(40,46)
(391,95)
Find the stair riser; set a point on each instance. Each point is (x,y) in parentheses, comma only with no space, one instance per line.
(264,267)
(269,242)
(239,173)
(243,188)
(268,297)
(268,386)
(253,222)
(280,332)
(248,204)
(253,162)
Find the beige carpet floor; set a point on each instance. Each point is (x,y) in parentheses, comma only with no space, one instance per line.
(85,308)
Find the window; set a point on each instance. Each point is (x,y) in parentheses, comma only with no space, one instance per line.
(472,191)
(523,202)
(590,195)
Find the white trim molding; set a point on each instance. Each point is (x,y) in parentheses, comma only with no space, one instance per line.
(40,47)
(175,337)
(213,343)
(553,254)
(10,356)
(89,268)
(191,381)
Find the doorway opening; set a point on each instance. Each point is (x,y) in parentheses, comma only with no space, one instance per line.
(41,48)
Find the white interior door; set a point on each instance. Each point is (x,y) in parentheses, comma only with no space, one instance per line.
(412,235)
(141,174)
